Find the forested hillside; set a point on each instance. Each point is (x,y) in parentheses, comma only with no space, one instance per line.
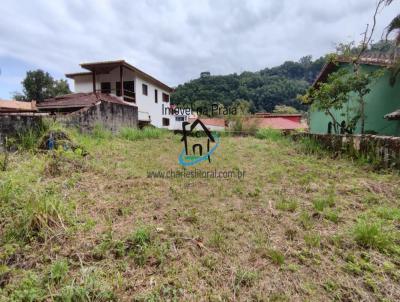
(264,89)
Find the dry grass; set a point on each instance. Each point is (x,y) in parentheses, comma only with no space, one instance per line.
(298,227)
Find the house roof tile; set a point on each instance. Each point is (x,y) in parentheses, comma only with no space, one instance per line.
(17,106)
(107,66)
(78,100)
(383,60)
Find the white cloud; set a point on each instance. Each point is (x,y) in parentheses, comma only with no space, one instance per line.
(175,40)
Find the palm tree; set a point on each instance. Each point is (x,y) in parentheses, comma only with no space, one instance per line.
(394,27)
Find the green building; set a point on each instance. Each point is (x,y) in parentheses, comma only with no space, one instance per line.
(382,104)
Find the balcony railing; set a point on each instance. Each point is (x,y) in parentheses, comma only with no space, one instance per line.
(129,96)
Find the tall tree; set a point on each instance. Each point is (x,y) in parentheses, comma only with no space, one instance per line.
(39,85)
(394,27)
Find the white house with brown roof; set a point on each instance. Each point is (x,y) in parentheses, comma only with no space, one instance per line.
(138,89)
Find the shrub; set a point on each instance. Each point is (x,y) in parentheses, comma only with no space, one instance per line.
(269,134)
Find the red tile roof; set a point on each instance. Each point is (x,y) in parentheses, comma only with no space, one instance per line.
(395,115)
(383,60)
(16,106)
(280,123)
(107,66)
(78,100)
(220,122)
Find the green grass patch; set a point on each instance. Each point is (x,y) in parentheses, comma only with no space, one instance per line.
(276,256)
(269,134)
(133,134)
(372,234)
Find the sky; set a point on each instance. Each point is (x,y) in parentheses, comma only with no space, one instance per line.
(175,40)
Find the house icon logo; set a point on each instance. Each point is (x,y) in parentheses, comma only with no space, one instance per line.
(193,154)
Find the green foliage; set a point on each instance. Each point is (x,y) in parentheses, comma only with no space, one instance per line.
(58,271)
(134,134)
(372,234)
(263,89)
(331,94)
(100,133)
(276,256)
(29,289)
(321,203)
(269,134)
(42,214)
(29,139)
(287,205)
(312,240)
(39,85)
(245,278)
(285,109)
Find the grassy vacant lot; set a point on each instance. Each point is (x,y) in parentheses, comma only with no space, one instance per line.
(95,228)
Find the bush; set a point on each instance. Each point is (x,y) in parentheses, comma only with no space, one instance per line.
(269,134)
(133,134)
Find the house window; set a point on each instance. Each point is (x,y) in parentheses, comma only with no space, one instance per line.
(155,95)
(129,90)
(180,118)
(105,87)
(165,122)
(165,97)
(144,89)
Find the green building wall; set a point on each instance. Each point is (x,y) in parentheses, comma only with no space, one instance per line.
(382,99)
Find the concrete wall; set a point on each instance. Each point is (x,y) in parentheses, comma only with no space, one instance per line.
(382,100)
(382,151)
(12,124)
(112,116)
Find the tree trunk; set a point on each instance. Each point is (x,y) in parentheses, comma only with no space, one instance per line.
(335,123)
(362,117)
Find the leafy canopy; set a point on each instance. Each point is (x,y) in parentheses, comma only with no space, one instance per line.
(39,85)
(263,89)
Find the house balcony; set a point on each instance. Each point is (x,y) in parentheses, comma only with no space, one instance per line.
(125,95)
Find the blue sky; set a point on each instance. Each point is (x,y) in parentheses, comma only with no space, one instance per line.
(174,40)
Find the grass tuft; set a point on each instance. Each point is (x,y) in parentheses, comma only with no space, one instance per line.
(276,256)
(372,235)
(269,134)
(133,134)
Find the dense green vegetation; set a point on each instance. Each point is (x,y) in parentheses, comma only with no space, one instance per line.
(39,85)
(264,89)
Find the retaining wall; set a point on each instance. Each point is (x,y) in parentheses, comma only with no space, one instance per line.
(380,150)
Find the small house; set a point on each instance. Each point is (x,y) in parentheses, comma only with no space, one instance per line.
(382,104)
